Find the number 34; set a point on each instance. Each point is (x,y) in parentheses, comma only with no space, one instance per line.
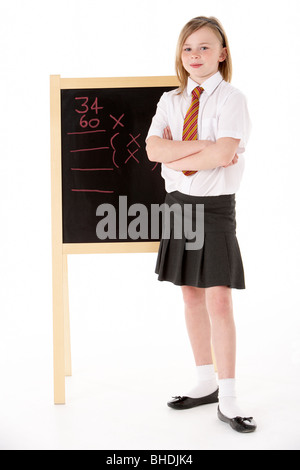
(85,108)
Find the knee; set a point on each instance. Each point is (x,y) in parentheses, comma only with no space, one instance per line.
(219,302)
(193,296)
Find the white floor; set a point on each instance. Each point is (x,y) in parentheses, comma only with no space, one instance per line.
(130,354)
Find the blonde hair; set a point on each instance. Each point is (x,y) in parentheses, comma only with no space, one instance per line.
(193,25)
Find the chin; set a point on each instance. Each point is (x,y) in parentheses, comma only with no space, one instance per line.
(197,78)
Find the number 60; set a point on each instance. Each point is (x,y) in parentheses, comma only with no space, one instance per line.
(93,123)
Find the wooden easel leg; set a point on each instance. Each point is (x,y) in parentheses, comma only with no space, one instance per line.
(58,330)
(57,254)
(68,363)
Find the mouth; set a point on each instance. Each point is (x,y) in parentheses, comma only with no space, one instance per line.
(195,66)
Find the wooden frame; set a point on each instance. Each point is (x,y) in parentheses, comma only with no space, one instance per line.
(61,322)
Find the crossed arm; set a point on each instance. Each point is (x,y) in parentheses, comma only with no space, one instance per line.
(192,155)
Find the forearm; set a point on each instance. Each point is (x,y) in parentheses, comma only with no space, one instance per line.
(166,151)
(218,154)
(195,162)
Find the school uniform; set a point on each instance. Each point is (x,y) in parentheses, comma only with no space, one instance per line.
(223,112)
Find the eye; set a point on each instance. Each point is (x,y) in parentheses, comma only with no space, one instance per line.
(187,49)
(204,48)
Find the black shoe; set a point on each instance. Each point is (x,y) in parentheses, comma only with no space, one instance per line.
(183,403)
(238,424)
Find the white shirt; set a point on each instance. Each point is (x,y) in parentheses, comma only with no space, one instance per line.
(222,113)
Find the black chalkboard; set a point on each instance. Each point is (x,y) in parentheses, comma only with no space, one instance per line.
(103,134)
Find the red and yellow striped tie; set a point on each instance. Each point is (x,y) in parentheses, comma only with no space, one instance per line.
(190,126)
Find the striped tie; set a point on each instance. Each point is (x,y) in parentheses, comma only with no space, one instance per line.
(190,126)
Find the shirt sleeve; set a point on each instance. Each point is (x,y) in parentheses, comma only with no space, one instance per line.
(234,120)
(160,119)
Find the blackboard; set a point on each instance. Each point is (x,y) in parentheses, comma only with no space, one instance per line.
(98,127)
(103,132)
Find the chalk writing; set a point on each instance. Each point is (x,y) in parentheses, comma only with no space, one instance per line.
(131,154)
(91,169)
(94,106)
(89,150)
(118,121)
(85,132)
(84,108)
(114,149)
(133,139)
(104,156)
(92,191)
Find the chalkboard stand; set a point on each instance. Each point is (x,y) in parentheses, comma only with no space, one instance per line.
(60,250)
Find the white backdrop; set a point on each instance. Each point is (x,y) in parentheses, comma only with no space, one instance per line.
(129,346)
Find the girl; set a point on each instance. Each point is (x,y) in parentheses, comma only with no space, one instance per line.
(199,133)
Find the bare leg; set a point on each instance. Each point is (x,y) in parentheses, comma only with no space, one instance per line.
(219,305)
(198,327)
(198,324)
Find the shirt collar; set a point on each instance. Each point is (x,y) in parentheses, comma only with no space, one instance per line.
(209,85)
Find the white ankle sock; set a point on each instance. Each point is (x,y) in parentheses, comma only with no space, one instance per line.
(207,382)
(227,399)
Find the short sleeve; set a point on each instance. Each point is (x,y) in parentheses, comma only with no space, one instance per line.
(234,120)
(160,119)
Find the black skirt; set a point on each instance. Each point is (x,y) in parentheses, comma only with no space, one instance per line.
(218,261)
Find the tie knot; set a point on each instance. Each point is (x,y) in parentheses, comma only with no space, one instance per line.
(197,92)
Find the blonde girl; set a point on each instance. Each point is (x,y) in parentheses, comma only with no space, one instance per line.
(202,167)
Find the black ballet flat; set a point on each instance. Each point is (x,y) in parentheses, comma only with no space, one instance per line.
(238,423)
(184,403)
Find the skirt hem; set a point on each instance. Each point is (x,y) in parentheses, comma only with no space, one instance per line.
(231,286)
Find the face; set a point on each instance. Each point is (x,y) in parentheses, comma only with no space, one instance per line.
(201,54)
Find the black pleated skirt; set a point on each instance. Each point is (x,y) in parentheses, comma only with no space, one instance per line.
(218,261)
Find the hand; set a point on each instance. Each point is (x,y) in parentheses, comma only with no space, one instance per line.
(167,134)
(233,161)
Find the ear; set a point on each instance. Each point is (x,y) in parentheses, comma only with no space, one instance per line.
(223,55)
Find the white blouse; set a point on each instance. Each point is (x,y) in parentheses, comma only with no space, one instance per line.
(222,113)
